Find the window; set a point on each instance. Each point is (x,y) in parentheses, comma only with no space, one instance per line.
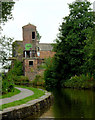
(28,54)
(33,35)
(30,63)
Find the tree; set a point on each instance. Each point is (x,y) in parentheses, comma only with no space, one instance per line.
(89,49)
(5,49)
(6,11)
(69,57)
(38,36)
(5,43)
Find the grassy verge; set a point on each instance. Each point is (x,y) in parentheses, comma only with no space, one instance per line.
(37,93)
(16,91)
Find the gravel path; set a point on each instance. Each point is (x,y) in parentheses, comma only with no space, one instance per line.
(24,93)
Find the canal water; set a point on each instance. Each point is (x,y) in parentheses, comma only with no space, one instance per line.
(71,103)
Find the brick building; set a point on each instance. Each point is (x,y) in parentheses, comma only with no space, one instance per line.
(30,51)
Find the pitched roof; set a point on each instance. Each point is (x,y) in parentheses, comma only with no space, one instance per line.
(45,46)
(28,25)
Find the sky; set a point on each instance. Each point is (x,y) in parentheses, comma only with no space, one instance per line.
(46,15)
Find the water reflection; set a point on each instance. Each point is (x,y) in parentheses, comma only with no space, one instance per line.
(71,103)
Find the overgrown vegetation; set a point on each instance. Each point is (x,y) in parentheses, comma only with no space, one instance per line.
(9,79)
(5,45)
(75,47)
(82,81)
(39,80)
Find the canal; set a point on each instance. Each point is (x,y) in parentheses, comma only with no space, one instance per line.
(71,103)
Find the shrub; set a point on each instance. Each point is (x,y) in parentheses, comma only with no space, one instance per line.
(12,76)
(17,68)
(38,80)
(23,79)
(82,81)
(7,85)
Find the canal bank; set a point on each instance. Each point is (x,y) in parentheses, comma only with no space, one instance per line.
(31,108)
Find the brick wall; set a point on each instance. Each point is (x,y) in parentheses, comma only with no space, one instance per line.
(27,35)
(46,54)
(30,71)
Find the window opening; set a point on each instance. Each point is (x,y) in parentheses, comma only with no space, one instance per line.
(30,63)
(33,35)
(28,54)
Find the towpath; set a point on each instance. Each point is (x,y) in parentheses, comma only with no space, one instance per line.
(23,94)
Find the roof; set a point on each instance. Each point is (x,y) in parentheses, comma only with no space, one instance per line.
(28,25)
(45,46)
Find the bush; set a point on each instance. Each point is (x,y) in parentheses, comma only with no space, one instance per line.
(17,68)
(21,79)
(38,80)
(82,81)
(12,76)
(7,85)
(50,82)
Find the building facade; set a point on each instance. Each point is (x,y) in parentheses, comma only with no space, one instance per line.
(30,51)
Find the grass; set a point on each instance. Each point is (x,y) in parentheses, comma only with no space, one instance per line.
(9,94)
(37,93)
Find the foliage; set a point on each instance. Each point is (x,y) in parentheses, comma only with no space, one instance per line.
(5,43)
(38,36)
(5,49)
(32,70)
(7,11)
(17,68)
(7,84)
(50,74)
(38,80)
(89,50)
(72,38)
(21,79)
(82,81)
(9,78)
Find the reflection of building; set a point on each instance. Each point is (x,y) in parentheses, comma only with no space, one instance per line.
(30,51)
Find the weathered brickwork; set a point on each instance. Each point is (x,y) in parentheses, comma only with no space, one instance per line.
(27,35)
(46,54)
(30,71)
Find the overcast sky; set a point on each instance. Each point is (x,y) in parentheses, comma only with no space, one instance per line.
(45,14)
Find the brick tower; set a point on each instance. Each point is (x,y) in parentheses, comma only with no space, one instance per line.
(29,50)
(29,41)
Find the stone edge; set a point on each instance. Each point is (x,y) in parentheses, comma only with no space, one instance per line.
(33,106)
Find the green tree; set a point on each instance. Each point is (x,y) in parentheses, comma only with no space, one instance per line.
(89,49)
(38,36)
(6,11)
(5,43)
(69,57)
(5,49)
